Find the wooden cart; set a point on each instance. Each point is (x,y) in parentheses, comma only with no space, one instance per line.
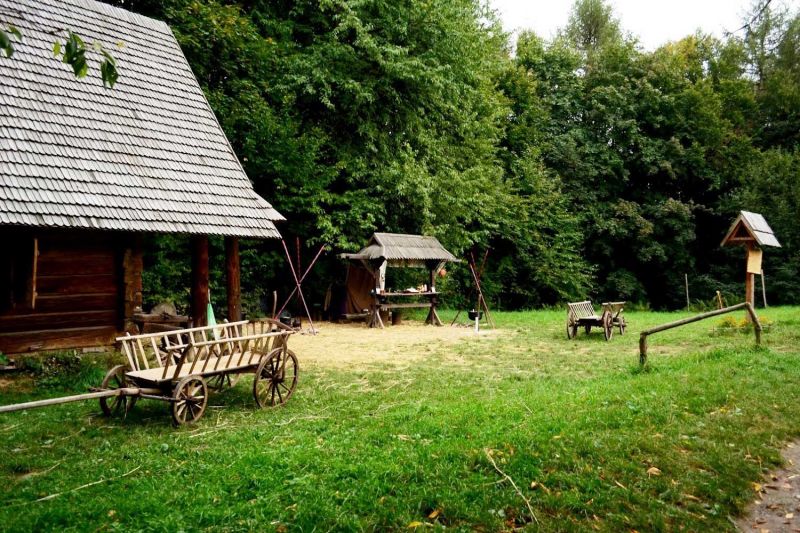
(180,366)
(583,314)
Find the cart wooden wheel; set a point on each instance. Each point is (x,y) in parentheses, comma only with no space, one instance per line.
(114,405)
(572,326)
(221,382)
(608,326)
(587,328)
(276,378)
(191,398)
(622,326)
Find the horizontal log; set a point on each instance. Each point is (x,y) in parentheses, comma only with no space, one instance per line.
(77,284)
(76,262)
(55,303)
(56,339)
(702,316)
(37,321)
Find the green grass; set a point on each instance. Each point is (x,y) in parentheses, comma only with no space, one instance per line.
(375,447)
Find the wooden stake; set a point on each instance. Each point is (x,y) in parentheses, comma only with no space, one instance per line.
(686,277)
(763,289)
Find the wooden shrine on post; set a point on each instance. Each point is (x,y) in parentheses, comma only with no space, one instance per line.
(397,251)
(752,231)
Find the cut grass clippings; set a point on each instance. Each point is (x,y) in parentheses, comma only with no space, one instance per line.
(521,428)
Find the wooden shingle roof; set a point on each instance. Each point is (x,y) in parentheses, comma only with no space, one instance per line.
(753,227)
(403,247)
(147,155)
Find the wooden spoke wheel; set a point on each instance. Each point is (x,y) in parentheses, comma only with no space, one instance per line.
(622,326)
(276,378)
(587,328)
(608,326)
(572,326)
(221,382)
(191,398)
(115,405)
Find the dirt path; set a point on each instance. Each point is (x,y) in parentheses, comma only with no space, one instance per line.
(344,345)
(778,509)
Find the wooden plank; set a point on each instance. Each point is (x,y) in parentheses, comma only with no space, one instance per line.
(53,303)
(76,261)
(56,339)
(154,375)
(38,321)
(386,307)
(77,284)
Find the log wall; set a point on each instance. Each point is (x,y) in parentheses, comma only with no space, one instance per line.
(86,284)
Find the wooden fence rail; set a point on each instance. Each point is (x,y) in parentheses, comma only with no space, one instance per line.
(745,305)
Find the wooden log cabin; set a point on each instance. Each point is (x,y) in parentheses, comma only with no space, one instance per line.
(86,171)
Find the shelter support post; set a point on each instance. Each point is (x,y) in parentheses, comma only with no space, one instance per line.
(232,279)
(199,294)
(433,316)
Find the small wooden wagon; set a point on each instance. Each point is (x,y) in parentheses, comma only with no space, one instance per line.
(583,314)
(180,366)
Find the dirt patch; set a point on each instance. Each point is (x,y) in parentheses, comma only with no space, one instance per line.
(19,383)
(343,345)
(778,508)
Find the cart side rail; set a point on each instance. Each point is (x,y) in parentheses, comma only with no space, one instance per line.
(208,349)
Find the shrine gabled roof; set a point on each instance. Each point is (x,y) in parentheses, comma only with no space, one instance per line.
(756,228)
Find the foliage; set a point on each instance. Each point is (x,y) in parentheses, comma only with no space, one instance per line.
(589,166)
(72,52)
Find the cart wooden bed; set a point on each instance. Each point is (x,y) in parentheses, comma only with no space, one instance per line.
(180,366)
(583,314)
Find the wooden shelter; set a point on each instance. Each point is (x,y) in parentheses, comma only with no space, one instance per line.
(395,250)
(85,171)
(752,231)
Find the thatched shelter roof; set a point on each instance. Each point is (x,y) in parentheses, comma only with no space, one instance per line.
(402,248)
(147,155)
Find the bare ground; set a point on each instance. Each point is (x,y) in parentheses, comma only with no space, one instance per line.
(777,507)
(346,345)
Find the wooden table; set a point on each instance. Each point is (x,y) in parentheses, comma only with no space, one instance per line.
(381,302)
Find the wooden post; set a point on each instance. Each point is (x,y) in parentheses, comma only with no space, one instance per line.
(686,278)
(132,267)
(199,304)
(232,276)
(763,289)
(749,281)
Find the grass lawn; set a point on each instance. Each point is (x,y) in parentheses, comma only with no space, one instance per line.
(409,431)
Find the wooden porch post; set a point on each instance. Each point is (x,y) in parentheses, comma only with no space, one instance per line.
(132,267)
(232,279)
(199,304)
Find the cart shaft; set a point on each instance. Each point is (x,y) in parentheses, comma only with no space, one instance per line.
(125,391)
